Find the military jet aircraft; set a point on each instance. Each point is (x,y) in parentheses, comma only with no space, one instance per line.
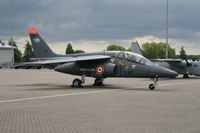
(183,67)
(99,65)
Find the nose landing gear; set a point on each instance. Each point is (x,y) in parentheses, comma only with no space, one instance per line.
(152,86)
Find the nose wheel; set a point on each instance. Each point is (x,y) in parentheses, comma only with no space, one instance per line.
(153,85)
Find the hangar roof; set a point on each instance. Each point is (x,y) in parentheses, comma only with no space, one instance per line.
(4,46)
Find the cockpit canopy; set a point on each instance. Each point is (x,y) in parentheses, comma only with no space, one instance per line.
(132,57)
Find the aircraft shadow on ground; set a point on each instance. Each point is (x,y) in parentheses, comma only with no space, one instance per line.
(50,86)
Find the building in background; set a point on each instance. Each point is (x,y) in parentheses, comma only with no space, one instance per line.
(6,55)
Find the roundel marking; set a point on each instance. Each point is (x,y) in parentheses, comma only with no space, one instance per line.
(99,70)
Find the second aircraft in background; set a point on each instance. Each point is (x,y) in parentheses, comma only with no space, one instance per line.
(183,67)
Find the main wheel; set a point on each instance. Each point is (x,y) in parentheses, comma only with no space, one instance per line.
(76,83)
(186,76)
(98,82)
(151,87)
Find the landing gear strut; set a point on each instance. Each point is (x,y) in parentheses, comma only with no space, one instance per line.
(155,84)
(98,82)
(77,82)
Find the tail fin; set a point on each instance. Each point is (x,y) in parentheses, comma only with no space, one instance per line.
(135,48)
(41,49)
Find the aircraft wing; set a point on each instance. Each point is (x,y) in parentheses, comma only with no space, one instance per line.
(62,60)
(174,62)
(167,60)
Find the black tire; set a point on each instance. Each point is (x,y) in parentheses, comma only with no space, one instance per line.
(152,87)
(98,82)
(76,83)
(186,76)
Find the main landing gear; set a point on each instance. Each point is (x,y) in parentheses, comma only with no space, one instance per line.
(78,82)
(152,86)
(98,82)
(186,76)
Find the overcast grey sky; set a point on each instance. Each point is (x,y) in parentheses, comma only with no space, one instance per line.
(92,24)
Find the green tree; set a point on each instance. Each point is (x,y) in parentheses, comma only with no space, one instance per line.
(79,51)
(129,49)
(155,50)
(183,54)
(69,49)
(17,52)
(114,47)
(28,52)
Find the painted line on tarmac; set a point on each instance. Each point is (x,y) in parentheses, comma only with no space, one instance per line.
(52,96)
(179,83)
(82,93)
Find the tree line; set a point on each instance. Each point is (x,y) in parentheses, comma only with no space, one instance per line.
(153,50)
(18,56)
(150,50)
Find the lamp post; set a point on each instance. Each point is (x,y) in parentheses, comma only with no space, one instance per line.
(12,41)
(167,30)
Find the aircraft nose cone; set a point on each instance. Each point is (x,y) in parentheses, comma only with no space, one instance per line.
(166,73)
